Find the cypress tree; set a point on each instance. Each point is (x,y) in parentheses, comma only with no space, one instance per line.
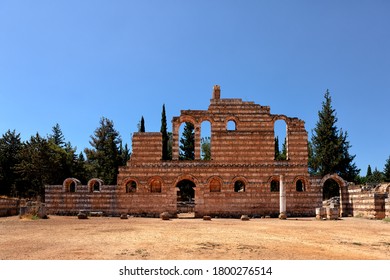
(141,125)
(164,132)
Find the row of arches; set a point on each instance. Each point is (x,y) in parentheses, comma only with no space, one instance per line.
(214,184)
(71,184)
(199,135)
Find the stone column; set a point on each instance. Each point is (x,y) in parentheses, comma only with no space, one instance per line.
(282,196)
(197,141)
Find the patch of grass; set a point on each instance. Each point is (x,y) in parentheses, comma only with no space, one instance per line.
(387,220)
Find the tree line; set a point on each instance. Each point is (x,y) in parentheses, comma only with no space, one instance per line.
(27,166)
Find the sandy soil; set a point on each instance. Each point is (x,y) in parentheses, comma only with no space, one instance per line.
(101,238)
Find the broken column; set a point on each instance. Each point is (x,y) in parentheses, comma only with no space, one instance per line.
(282,199)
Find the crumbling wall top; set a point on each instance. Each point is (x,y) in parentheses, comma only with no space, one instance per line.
(216,92)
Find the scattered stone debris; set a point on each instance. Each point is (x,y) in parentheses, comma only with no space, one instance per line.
(32,208)
(82,215)
(245,218)
(330,209)
(124,216)
(165,216)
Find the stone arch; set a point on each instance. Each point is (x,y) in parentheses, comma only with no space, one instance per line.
(301,183)
(231,120)
(239,184)
(131,185)
(186,193)
(95,185)
(282,140)
(274,184)
(343,191)
(155,184)
(215,184)
(70,184)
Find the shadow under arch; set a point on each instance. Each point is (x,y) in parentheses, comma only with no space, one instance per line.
(186,194)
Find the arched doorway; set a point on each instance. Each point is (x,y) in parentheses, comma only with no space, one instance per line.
(186,197)
(335,186)
(330,189)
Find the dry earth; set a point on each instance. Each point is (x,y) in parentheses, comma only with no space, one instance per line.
(100,238)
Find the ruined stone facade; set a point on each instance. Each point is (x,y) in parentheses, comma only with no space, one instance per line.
(241,178)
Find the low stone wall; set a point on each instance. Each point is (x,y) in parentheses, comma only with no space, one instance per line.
(367,203)
(107,200)
(9,206)
(387,207)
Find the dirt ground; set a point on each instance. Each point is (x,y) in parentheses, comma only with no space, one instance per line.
(103,238)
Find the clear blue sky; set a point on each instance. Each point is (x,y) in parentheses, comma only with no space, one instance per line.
(73,62)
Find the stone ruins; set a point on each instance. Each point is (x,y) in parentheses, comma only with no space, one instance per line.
(241,178)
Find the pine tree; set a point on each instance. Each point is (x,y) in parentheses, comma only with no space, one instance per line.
(57,136)
(41,163)
(10,146)
(165,137)
(187,143)
(330,147)
(386,171)
(103,159)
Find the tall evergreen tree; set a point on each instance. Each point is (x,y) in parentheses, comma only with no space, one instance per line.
(41,163)
(187,143)
(57,136)
(103,159)
(124,154)
(277,152)
(10,146)
(369,171)
(165,137)
(386,171)
(141,125)
(330,147)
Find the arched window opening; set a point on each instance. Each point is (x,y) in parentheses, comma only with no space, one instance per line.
(131,186)
(231,125)
(205,141)
(215,185)
(280,136)
(72,187)
(239,186)
(275,186)
(96,186)
(155,186)
(187,141)
(300,186)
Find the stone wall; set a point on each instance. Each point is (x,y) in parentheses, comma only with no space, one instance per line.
(109,200)
(387,207)
(9,206)
(367,203)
